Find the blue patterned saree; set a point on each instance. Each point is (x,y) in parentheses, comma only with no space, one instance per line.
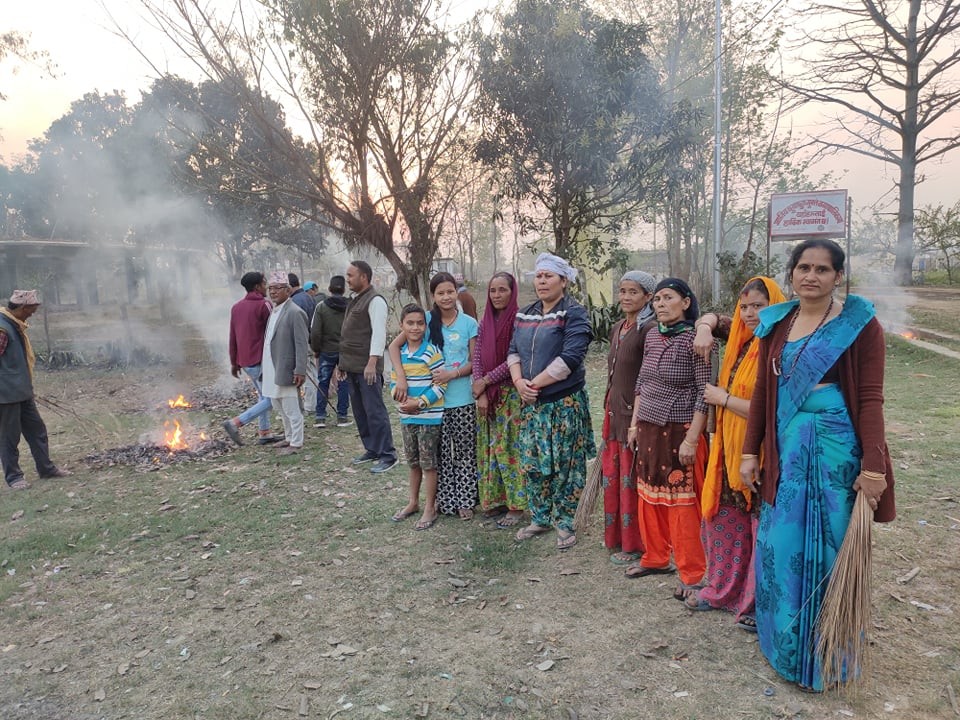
(798,537)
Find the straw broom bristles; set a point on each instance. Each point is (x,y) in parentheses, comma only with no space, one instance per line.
(589,495)
(845,619)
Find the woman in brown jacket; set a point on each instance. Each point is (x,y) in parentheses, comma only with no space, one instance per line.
(621,532)
(817,416)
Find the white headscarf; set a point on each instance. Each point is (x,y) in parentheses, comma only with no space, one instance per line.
(552,263)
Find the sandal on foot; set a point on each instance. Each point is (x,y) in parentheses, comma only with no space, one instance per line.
(530,531)
(693,601)
(636,570)
(684,591)
(401,515)
(495,512)
(465,513)
(624,558)
(426,524)
(19,484)
(566,540)
(510,519)
(748,623)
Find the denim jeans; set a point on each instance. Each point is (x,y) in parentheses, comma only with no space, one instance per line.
(260,411)
(328,366)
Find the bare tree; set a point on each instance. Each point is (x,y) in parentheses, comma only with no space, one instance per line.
(381,89)
(887,69)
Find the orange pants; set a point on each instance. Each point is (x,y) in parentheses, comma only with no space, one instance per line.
(676,527)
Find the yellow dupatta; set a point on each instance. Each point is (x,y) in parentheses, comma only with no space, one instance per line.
(27,347)
(731,428)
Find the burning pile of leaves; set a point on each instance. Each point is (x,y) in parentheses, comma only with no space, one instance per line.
(175,443)
(148,457)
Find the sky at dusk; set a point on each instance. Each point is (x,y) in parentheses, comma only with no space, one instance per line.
(79,37)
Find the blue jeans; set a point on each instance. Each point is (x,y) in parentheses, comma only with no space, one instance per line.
(260,411)
(327,367)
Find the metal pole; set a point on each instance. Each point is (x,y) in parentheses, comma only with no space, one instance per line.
(717,129)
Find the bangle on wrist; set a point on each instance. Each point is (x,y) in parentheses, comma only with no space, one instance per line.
(632,427)
(726,400)
(688,443)
(745,456)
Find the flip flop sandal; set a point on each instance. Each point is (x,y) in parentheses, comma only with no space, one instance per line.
(697,604)
(19,484)
(748,623)
(494,513)
(565,542)
(684,591)
(624,558)
(531,531)
(400,515)
(638,571)
(425,524)
(465,513)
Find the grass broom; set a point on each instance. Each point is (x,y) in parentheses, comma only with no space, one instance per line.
(590,494)
(846,616)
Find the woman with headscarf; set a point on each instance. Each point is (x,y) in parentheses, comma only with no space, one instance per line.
(550,341)
(817,413)
(621,532)
(669,419)
(501,484)
(729,509)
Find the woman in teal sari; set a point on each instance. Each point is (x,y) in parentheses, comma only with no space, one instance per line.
(817,416)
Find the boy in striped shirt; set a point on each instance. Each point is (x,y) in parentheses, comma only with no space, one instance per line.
(421,413)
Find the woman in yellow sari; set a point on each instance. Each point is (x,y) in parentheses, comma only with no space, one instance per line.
(729,509)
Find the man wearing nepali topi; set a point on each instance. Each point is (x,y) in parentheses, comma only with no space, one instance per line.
(18,409)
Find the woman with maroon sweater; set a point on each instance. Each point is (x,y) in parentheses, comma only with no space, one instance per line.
(817,415)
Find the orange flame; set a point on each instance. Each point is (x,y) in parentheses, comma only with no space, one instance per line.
(173,439)
(909,335)
(180,402)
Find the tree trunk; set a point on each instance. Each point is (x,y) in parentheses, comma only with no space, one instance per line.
(903,263)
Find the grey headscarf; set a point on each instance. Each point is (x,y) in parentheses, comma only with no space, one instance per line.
(649,284)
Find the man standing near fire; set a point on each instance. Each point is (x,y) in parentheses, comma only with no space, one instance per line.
(285,351)
(18,409)
(362,339)
(248,323)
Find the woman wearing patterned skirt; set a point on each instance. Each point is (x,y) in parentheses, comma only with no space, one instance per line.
(501,484)
(454,333)
(550,341)
(729,509)
(669,419)
(621,532)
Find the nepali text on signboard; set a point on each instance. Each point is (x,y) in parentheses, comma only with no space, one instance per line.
(821,213)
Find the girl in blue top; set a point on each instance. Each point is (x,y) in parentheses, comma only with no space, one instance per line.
(454,333)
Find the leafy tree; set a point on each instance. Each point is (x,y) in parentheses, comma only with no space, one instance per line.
(758,158)
(887,69)
(938,230)
(571,118)
(383,90)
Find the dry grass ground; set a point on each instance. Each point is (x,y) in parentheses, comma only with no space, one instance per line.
(251,586)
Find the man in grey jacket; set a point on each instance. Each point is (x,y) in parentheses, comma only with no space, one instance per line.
(285,349)
(18,409)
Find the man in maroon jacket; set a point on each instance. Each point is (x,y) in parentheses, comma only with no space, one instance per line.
(248,323)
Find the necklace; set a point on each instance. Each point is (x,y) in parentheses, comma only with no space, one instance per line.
(777,362)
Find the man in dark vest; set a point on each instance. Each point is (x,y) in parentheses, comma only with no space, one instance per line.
(362,339)
(18,409)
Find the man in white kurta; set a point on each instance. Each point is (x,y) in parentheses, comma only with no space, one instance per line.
(285,350)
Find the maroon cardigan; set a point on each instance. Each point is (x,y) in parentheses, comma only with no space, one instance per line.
(861,381)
